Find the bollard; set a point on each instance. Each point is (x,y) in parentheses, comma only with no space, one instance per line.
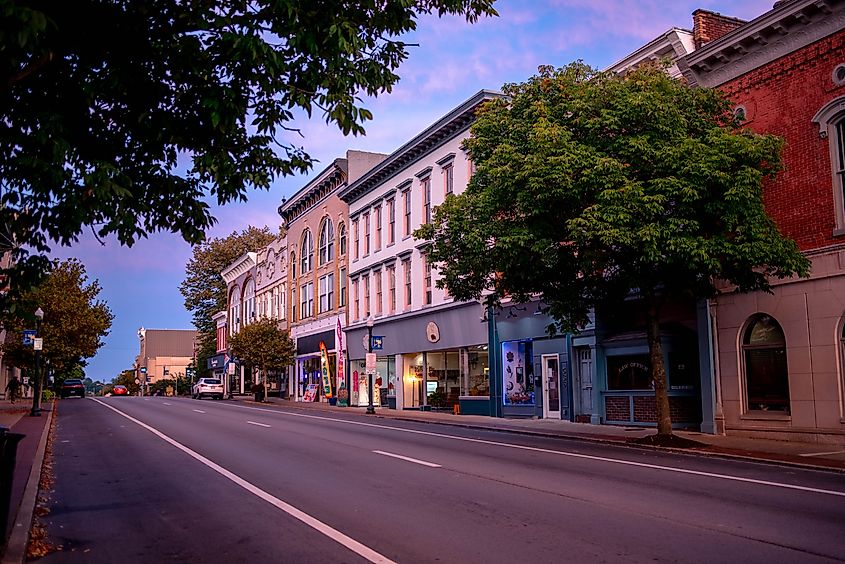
(8,453)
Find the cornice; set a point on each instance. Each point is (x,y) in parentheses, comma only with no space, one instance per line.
(243,264)
(444,129)
(787,28)
(671,44)
(334,174)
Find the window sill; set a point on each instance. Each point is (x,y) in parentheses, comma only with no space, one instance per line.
(765,416)
(839,232)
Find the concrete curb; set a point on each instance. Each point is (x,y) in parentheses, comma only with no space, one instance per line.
(19,538)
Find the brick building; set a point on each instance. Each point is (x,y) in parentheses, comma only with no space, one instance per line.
(780,356)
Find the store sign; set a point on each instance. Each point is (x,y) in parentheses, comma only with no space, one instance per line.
(378,342)
(38,344)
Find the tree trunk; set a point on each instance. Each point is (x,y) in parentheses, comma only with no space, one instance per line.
(264,379)
(658,369)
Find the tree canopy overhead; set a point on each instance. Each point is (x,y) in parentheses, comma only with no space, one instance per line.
(593,187)
(129,116)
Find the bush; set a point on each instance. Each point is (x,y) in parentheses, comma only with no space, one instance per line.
(47,395)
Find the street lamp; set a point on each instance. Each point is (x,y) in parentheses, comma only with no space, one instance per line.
(36,398)
(370,409)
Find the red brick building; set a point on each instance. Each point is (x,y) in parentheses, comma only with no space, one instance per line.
(780,361)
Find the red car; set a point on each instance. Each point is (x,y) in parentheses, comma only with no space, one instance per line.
(120,391)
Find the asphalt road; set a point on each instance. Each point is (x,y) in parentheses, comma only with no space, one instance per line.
(162,479)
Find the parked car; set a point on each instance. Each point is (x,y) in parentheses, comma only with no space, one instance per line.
(72,387)
(119,390)
(212,387)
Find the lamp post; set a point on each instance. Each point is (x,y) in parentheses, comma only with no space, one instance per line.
(36,397)
(370,409)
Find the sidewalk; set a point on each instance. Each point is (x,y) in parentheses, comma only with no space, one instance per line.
(823,456)
(27,473)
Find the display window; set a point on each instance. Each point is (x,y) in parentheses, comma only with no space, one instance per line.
(518,373)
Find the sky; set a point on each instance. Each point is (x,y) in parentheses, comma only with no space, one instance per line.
(453,61)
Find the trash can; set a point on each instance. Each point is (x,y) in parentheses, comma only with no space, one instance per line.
(8,453)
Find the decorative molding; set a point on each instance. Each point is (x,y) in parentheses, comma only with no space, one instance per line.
(424,172)
(777,33)
(446,161)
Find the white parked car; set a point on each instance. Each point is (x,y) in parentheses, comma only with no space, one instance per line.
(208,387)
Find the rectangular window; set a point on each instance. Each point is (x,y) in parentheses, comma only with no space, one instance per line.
(356,303)
(326,293)
(293,304)
(470,169)
(366,234)
(341,299)
(281,305)
(425,184)
(306,304)
(427,280)
(377,280)
(839,148)
(365,281)
(391,221)
(406,197)
(449,179)
(391,289)
(355,239)
(377,243)
(406,267)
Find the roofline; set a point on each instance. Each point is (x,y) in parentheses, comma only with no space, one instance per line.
(638,55)
(312,185)
(228,274)
(421,144)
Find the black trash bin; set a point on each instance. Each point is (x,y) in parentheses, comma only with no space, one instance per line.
(8,453)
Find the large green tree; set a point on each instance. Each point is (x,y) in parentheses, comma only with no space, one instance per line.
(203,288)
(75,320)
(130,116)
(263,346)
(593,188)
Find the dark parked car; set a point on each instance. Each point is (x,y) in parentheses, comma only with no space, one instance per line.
(72,387)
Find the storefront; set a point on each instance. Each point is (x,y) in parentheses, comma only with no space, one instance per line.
(309,364)
(533,376)
(217,365)
(436,359)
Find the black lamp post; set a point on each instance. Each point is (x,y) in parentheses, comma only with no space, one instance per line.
(370,409)
(36,398)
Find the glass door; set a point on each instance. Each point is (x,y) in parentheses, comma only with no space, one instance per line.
(551,386)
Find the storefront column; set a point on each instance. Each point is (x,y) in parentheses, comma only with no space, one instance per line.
(706,368)
(399,387)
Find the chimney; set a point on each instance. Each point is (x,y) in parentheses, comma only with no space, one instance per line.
(709,26)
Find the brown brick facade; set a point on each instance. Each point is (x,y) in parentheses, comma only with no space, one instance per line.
(709,26)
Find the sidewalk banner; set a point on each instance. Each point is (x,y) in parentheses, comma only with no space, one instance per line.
(324,370)
(310,393)
(341,367)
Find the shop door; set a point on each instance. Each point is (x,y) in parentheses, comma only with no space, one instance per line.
(551,386)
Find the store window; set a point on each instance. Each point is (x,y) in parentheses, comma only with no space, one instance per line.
(384,381)
(518,373)
(629,372)
(766,374)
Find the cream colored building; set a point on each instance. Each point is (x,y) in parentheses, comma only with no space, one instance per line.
(165,353)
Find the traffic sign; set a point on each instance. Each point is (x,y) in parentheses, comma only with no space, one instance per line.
(38,344)
(378,342)
(28,336)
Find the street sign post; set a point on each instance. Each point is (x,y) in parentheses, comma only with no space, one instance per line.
(371,363)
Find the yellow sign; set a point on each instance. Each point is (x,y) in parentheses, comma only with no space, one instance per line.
(324,370)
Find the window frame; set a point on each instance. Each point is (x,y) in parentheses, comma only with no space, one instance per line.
(408,284)
(391,221)
(425,188)
(746,351)
(306,250)
(831,122)
(406,223)
(326,243)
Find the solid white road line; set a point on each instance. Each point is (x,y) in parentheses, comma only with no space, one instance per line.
(199,411)
(560,453)
(408,458)
(350,543)
(823,453)
(259,424)
(165,403)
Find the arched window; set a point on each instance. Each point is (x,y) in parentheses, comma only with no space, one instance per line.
(306,253)
(341,239)
(234,311)
(249,302)
(326,241)
(831,122)
(766,374)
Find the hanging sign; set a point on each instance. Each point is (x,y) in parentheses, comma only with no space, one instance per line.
(28,336)
(324,370)
(342,392)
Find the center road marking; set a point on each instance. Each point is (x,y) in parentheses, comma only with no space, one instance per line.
(259,424)
(558,452)
(350,543)
(165,403)
(408,458)
(199,411)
